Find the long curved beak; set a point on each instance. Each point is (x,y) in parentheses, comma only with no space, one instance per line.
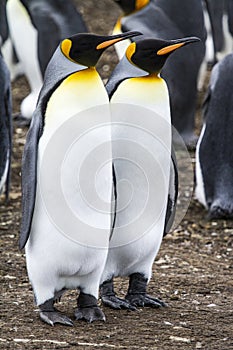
(176,44)
(112,39)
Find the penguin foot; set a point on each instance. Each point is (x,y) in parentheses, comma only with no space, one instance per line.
(109,298)
(142,300)
(137,296)
(50,315)
(116,303)
(88,310)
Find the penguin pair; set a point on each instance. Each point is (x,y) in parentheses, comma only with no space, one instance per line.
(63,250)
(5,127)
(57,259)
(214,154)
(166,20)
(42,24)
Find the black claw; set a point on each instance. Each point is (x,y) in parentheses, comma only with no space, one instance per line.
(158,301)
(142,300)
(117,303)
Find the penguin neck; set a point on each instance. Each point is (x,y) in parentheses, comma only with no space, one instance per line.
(77,92)
(154,75)
(149,91)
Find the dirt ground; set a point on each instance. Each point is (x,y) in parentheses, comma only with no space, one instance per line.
(192,272)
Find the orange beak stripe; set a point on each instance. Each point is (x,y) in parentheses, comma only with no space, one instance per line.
(107,43)
(169,49)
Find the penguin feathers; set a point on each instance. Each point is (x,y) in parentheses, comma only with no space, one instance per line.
(59,67)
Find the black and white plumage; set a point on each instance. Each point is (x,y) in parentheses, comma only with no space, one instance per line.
(55,260)
(214,154)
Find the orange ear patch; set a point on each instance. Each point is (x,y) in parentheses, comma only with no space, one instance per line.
(130,51)
(65,47)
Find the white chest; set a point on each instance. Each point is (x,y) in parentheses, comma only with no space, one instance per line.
(141,136)
(74,160)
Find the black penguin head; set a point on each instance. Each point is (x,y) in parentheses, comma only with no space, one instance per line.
(151,54)
(129,6)
(86,49)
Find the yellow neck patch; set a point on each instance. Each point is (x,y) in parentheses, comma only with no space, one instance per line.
(65,47)
(130,51)
(140,4)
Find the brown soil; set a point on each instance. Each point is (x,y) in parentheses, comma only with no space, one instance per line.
(192,272)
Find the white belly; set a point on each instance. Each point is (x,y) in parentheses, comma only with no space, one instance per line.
(72,217)
(141,135)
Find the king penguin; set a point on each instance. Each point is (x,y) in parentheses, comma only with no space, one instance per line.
(42,25)
(5,127)
(166,20)
(141,105)
(214,154)
(55,260)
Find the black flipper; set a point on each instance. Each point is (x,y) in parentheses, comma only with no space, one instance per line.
(29,176)
(172,194)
